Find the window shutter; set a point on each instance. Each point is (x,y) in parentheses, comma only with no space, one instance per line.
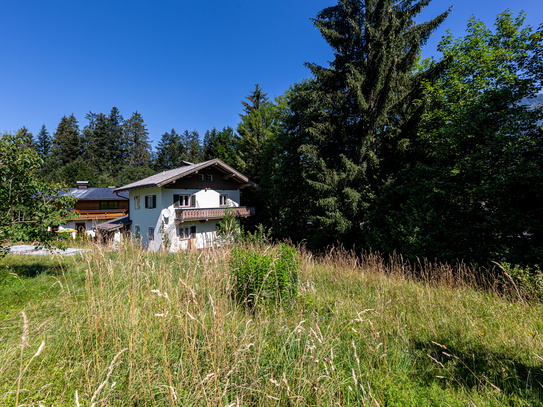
(175,199)
(193,231)
(146,201)
(154,202)
(193,201)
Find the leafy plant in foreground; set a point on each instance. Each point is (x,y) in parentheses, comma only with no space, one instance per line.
(269,276)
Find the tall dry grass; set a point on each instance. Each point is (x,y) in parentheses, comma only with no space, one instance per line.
(134,328)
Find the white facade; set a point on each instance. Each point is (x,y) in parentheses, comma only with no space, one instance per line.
(149,221)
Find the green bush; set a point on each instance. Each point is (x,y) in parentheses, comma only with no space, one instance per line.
(529,279)
(270,276)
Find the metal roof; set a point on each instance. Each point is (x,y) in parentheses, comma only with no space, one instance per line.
(114,224)
(163,178)
(98,194)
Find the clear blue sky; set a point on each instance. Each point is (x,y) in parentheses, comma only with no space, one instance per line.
(181,64)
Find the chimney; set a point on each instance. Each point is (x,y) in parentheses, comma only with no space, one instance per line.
(82,184)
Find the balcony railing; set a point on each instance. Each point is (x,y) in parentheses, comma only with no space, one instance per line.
(184,215)
(96,214)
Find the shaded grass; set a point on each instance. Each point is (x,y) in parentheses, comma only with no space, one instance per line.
(359,333)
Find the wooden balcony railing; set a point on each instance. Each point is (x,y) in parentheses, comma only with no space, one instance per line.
(184,215)
(96,214)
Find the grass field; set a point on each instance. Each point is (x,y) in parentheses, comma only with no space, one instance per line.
(133,328)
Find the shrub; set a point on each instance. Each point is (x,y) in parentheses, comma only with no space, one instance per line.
(271,276)
(529,279)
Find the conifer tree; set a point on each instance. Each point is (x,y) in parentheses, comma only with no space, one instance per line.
(170,152)
(96,142)
(257,129)
(193,146)
(66,145)
(360,113)
(222,145)
(137,141)
(27,137)
(43,143)
(117,146)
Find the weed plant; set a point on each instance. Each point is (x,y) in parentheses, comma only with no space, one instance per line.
(137,328)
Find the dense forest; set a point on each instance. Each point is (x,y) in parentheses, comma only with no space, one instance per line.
(380,150)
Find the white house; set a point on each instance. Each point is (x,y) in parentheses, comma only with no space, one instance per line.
(184,206)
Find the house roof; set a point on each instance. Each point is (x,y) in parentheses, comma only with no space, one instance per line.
(166,177)
(98,194)
(114,224)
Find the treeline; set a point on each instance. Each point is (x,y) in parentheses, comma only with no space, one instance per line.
(379,151)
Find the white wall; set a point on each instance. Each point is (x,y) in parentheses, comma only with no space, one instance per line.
(205,232)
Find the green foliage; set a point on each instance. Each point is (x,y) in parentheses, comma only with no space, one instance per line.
(528,279)
(28,206)
(352,121)
(222,145)
(170,152)
(473,189)
(43,143)
(228,230)
(137,139)
(260,277)
(67,141)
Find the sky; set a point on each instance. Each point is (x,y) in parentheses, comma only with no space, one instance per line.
(181,64)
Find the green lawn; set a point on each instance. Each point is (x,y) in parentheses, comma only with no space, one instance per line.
(131,328)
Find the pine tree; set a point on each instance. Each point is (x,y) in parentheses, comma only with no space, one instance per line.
(117,146)
(96,142)
(170,152)
(222,145)
(27,137)
(257,130)
(360,113)
(137,141)
(66,145)
(43,144)
(193,146)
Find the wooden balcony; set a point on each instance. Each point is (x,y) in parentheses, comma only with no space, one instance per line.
(97,214)
(192,214)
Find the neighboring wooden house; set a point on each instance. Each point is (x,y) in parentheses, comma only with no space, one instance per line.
(97,206)
(187,202)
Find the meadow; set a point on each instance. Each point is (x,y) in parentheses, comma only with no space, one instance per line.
(136,328)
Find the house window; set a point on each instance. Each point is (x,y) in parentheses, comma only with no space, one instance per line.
(209,177)
(223,200)
(103,206)
(150,201)
(137,202)
(183,200)
(151,233)
(113,205)
(137,231)
(185,232)
(201,177)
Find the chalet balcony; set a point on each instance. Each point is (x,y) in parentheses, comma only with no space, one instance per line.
(98,214)
(204,214)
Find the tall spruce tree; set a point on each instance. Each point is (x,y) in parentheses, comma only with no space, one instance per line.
(137,140)
(117,146)
(43,142)
(96,142)
(66,146)
(257,129)
(360,113)
(193,146)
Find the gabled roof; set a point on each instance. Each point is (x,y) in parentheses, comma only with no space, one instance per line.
(167,177)
(97,194)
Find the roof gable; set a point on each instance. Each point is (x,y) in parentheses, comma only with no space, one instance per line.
(167,177)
